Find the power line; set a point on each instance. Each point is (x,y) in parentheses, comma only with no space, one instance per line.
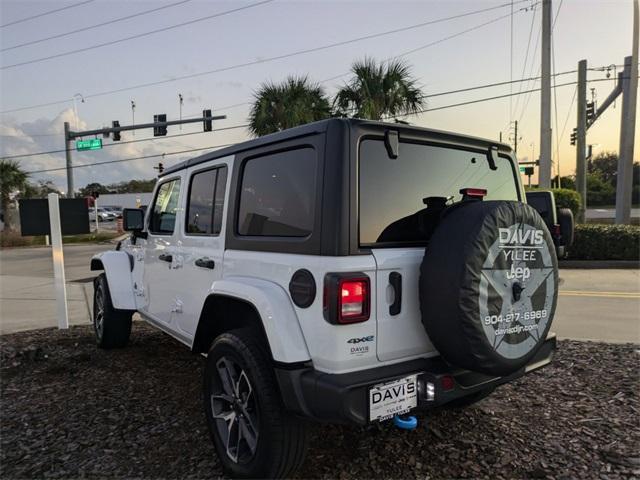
(526,58)
(133,37)
(228,144)
(130,159)
(553,26)
(90,27)
(49,12)
(433,95)
(566,120)
(274,58)
(116,144)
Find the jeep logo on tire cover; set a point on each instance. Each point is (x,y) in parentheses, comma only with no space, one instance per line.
(517,287)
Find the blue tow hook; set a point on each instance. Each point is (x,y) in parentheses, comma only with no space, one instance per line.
(406,423)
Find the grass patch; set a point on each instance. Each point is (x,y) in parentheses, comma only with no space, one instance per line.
(14,239)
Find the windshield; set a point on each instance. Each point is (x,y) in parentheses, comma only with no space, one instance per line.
(401,199)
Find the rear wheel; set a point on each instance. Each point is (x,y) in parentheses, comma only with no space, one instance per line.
(252,433)
(112,326)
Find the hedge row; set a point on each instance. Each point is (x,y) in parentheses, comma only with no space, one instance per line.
(605,242)
(566,198)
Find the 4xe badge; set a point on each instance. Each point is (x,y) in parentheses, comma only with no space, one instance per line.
(360,349)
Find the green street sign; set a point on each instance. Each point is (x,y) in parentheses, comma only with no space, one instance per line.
(522,169)
(91,144)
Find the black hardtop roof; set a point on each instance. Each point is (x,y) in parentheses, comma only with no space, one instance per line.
(322,126)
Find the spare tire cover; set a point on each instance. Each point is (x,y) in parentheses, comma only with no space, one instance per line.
(489,285)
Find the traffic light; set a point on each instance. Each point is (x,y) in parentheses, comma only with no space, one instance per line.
(207,123)
(574,136)
(160,131)
(591,111)
(116,135)
(160,167)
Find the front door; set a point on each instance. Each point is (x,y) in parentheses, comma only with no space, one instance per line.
(160,259)
(201,245)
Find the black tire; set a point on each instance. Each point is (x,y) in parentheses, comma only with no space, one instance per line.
(566,222)
(468,400)
(489,286)
(112,326)
(279,439)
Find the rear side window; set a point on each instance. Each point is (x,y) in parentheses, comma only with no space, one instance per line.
(206,202)
(165,207)
(277,194)
(401,199)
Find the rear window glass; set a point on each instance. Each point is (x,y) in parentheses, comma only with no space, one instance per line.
(277,194)
(401,199)
(205,205)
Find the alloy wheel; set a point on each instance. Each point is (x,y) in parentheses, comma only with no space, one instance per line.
(98,315)
(234,407)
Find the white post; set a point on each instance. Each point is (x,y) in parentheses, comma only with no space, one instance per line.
(58,261)
(95,210)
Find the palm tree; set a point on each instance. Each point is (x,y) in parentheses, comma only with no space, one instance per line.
(379,90)
(294,102)
(12,179)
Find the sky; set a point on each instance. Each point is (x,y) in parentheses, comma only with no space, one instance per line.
(469,51)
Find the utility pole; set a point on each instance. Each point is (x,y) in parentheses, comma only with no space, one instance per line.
(627,127)
(515,138)
(544,172)
(581,139)
(67,151)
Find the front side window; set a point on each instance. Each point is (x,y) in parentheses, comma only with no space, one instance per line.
(206,202)
(165,208)
(278,194)
(401,199)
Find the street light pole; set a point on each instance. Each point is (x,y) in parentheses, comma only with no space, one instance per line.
(67,151)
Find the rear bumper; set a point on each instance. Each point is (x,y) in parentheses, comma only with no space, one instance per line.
(344,398)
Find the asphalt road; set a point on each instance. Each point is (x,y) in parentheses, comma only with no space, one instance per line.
(608,212)
(593,304)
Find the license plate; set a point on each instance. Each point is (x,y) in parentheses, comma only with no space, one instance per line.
(393,398)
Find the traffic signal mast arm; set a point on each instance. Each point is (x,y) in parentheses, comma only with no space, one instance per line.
(608,101)
(102,131)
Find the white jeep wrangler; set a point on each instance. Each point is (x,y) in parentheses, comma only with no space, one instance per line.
(343,271)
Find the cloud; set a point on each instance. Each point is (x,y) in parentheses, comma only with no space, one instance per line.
(44,135)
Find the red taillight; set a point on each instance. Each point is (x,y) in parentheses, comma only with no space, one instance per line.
(473,192)
(448,383)
(346,298)
(353,300)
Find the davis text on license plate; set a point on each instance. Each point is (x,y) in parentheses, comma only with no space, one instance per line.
(393,398)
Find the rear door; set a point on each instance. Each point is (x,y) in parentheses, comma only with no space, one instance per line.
(201,246)
(400,204)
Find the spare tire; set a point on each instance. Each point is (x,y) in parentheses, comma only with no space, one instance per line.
(489,285)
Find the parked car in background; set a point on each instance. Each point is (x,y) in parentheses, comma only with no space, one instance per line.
(103,215)
(559,221)
(115,210)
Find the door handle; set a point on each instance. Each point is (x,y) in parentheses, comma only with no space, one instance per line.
(395,279)
(205,262)
(165,257)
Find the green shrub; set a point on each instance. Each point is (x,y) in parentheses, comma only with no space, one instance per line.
(566,198)
(606,242)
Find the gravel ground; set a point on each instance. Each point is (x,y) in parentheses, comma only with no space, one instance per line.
(69,410)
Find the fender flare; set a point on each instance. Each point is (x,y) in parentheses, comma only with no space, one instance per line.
(276,312)
(117,267)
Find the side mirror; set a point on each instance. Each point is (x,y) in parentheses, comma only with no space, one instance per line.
(133,220)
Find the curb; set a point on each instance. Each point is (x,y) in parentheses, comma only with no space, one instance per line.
(599,264)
